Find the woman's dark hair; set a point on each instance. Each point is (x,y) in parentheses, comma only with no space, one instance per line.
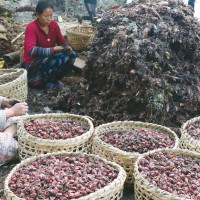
(41,6)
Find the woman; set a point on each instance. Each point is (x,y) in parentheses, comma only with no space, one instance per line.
(47,55)
(8,128)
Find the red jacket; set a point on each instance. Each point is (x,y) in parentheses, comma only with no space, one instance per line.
(35,36)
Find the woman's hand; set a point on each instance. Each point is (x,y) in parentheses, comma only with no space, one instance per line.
(61,49)
(68,50)
(18,109)
(58,49)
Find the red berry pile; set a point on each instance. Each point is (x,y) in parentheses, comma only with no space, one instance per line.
(55,129)
(194,131)
(139,140)
(175,174)
(62,178)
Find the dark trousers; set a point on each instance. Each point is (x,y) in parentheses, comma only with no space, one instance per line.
(91,8)
(191,3)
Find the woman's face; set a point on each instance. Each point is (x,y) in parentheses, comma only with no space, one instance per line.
(46,17)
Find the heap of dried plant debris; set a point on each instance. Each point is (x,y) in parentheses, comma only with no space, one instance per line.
(144,64)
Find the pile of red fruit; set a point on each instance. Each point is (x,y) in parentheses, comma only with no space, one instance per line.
(61,177)
(139,140)
(176,174)
(194,131)
(55,129)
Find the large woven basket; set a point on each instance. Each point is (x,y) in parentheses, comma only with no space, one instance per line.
(146,191)
(31,146)
(123,158)
(13,83)
(113,190)
(80,36)
(187,141)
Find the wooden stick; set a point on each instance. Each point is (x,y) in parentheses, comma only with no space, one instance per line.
(18,36)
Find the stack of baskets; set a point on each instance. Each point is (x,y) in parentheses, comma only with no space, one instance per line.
(31,146)
(13,83)
(80,36)
(123,158)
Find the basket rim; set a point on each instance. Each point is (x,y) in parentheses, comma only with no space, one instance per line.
(71,30)
(184,131)
(15,80)
(120,178)
(87,134)
(116,150)
(150,187)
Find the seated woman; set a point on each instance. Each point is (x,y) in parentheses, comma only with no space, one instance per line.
(47,55)
(8,127)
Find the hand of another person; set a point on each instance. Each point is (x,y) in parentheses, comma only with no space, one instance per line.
(12,102)
(19,109)
(8,103)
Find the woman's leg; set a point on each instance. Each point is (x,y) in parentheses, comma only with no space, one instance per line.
(50,69)
(91,8)
(8,147)
(191,3)
(35,73)
(12,130)
(57,67)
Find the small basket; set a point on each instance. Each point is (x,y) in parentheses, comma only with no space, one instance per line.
(186,140)
(80,36)
(146,191)
(13,83)
(123,158)
(31,146)
(113,190)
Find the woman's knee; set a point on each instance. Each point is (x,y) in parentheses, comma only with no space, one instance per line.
(9,147)
(11,129)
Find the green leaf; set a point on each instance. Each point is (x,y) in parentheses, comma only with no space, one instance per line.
(170,94)
(168,55)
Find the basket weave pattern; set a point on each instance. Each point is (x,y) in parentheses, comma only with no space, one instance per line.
(123,158)
(13,83)
(80,36)
(146,191)
(31,146)
(186,140)
(113,190)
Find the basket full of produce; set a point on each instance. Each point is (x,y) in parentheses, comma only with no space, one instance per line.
(167,174)
(80,36)
(13,83)
(190,135)
(65,175)
(46,133)
(124,142)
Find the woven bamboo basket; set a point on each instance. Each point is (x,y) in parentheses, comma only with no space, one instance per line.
(80,36)
(31,146)
(146,191)
(13,83)
(187,141)
(123,158)
(113,190)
